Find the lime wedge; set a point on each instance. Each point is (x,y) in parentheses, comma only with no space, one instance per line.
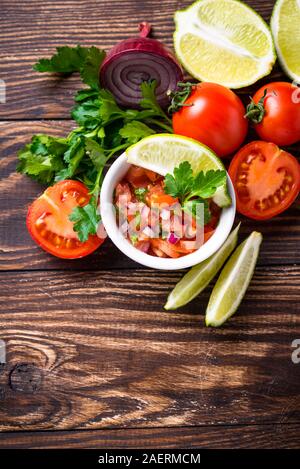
(164,152)
(233,282)
(197,279)
(224,41)
(285,25)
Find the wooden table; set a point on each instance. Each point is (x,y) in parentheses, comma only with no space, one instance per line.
(92,358)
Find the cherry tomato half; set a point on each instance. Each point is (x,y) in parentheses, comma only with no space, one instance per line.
(279,111)
(214,115)
(49,225)
(266,180)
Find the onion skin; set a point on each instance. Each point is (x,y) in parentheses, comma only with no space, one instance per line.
(134,60)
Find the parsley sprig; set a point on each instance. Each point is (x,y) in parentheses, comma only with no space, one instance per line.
(194,190)
(103,130)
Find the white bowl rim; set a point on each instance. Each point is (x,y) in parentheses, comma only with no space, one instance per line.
(115,173)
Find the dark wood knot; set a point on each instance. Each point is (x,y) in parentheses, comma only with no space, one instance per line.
(25,377)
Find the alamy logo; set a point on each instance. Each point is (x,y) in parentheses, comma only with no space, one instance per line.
(2,92)
(296,352)
(2,352)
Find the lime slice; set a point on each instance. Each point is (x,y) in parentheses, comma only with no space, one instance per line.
(164,152)
(285,25)
(197,279)
(224,41)
(233,282)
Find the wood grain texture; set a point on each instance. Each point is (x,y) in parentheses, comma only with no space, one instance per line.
(95,350)
(18,251)
(283,436)
(32,29)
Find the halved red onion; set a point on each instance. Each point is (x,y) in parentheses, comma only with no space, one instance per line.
(134,60)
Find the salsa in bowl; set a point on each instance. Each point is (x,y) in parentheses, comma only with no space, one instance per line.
(154,227)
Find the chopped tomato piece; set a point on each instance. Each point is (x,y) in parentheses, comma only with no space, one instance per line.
(157,196)
(138,177)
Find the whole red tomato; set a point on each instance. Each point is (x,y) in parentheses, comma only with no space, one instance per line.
(214,115)
(275,111)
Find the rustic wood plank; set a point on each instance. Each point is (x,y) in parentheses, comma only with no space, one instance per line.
(95,350)
(18,251)
(32,29)
(281,436)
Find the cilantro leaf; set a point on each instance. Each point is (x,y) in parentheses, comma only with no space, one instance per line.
(85,220)
(85,60)
(109,110)
(135,131)
(95,152)
(72,157)
(42,158)
(179,184)
(149,100)
(89,70)
(193,207)
(140,193)
(185,186)
(66,60)
(206,184)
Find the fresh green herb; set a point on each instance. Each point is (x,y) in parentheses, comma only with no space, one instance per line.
(85,60)
(181,182)
(205,184)
(85,219)
(152,109)
(135,131)
(194,190)
(140,193)
(42,159)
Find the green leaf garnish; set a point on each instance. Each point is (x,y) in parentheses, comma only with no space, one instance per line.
(85,220)
(85,60)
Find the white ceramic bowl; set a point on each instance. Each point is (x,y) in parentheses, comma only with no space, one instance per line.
(114,175)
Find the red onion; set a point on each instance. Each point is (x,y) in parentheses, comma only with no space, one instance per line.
(138,59)
(173,238)
(148,232)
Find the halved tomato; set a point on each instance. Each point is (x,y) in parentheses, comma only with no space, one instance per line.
(49,225)
(266,180)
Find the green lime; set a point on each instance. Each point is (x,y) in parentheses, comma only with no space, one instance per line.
(225,42)
(197,279)
(233,281)
(285,25)
(164,152)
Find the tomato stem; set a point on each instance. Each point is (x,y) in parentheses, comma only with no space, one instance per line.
(256,111)
(179,96)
